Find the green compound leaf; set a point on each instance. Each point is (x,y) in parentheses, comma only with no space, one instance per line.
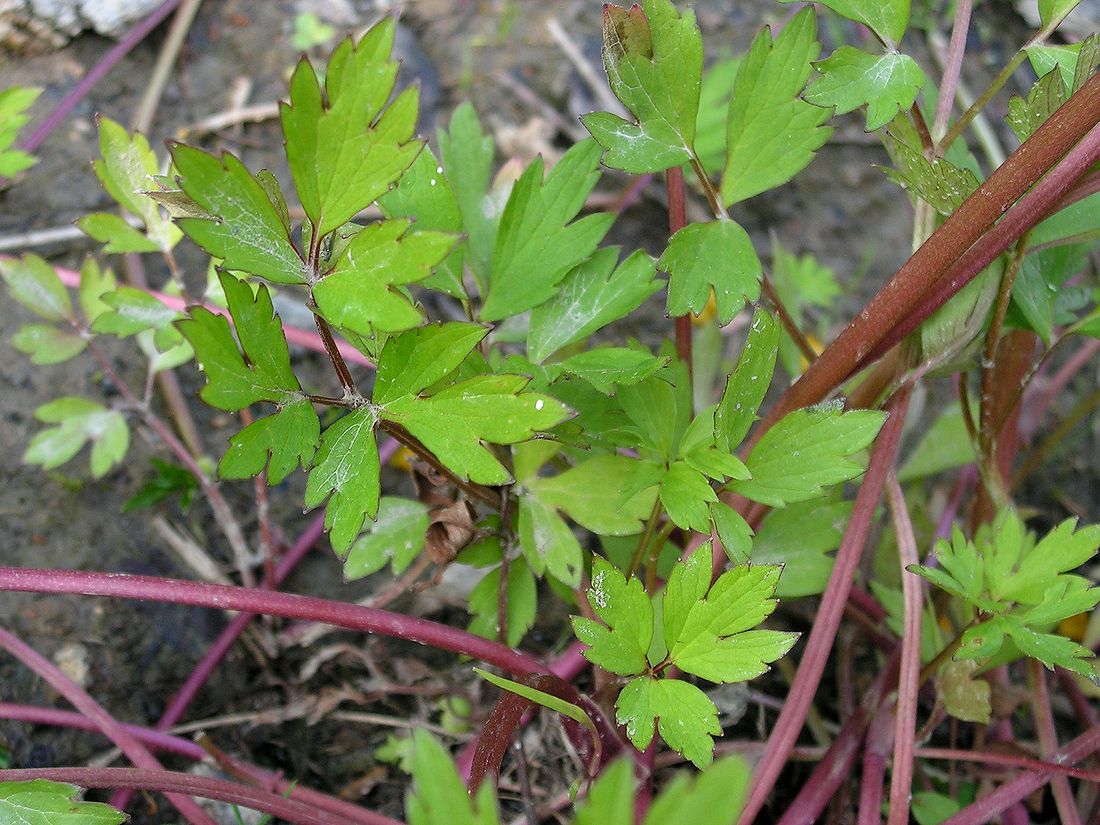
(705,256)
(800,537)
(596,495)
(456,423)
(887,83)
(771,133)
(346,466)
(233,383)
(42,802)
(938,181)
(247,231)
(35,285)
(537,245)
(467,154)
(593,295)
(131,311)
(608,367)
(654,62)
(47,344)
(126,171)
(886,18)
(419,358)
(685,717)
(713,637)
(1053,11)
(807,450)
(625,609)
(358,292)
(13,105)
(521,594)
(424,194)
(548,542)
(438,794)
(344,151)
(748,383)
(289,437)
(78,421)
(94,283)
(396,537)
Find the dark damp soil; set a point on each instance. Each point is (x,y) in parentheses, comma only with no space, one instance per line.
(131,657)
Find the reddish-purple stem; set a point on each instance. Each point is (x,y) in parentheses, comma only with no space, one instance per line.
(171,782)
(905,726)
(820,641)
(1015,790)
(185,747)
(952,68)
(136,752)
(876,749)
(96,73)
(224,597)
(1048,743)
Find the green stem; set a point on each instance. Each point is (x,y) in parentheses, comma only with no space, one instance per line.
(647,537)
(654,554)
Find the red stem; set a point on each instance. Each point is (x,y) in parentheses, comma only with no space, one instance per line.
(136,752)
(821,637)
(292,810)
(1009,760)
(1048,743)
(223,597)
(945,100)
(987,808)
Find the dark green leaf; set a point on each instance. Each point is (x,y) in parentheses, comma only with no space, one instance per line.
(396,536)
(938,181)
(748,383)
(418,358)
(886,83)
(289,437)
(548,542)
(42,802)
(886,18)
(467,154)
(608,367)
(684,715)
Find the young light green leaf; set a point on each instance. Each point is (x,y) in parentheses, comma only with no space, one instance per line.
(705,256)
(654,63)
(988,638)
(807,450)
(521,603)
(659,410)
(344,151)
(165,348)
(117,235)
(886,18)
(418,358)
(358,292)
(608,367)
(424,195)
(78,421)
(733,531)
(288,436)
(748,383)
(714,797)
(94,282)
(684,716)
(396,536)
(548,542)
(610,800)
(42,802)
(125,170)
(943,446)
(685,494)
(456,423)
(887,83)
(131,311)
(35,285)
(625,609)
(800,537)
(14,102)
(771,132)
(710,125)
(537,245)
(1054,11)
(246,232)
(590,298)
(233,383)
(713,637)
(1027,115)
(547,700)
(467,154)
(595,495)
(47,344)
(438,794)
(938,181)
(346,466)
